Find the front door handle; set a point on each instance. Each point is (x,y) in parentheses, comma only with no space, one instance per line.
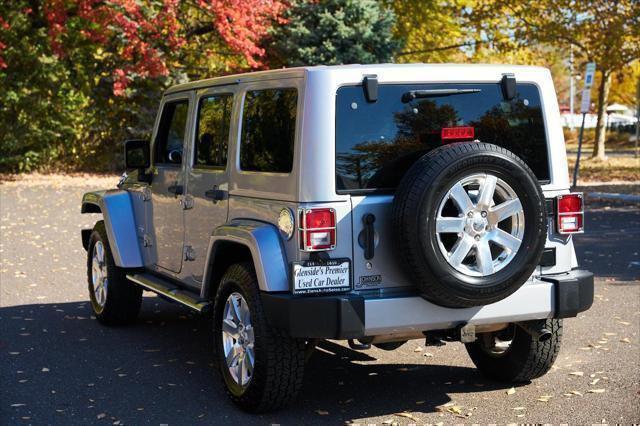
(176,189)
(216,194)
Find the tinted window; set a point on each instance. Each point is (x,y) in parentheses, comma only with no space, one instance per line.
(376,143)
(268,130)
(214,115)
(170,138)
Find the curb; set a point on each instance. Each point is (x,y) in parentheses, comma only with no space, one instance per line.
(613,196)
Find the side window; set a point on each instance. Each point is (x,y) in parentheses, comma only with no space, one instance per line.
(170,138)
(212,134)
(268,130)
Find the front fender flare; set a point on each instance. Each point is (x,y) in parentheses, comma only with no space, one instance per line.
(267,252)
(116,207)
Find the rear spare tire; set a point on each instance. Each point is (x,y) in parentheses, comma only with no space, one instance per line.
(469,223)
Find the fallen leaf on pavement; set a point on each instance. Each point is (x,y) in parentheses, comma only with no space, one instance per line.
(322,412)
(596,391)
(45,370)
(407,415)
(518,408)
(577,373)
(545,398)
(625,340)
(418,349)
(594,382)
(511,391)
(101,416)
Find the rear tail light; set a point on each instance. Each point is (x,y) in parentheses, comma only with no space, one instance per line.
(570,213)
(457,133)
(317,229)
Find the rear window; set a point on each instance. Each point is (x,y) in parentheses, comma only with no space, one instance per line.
(376,143)
(268,130)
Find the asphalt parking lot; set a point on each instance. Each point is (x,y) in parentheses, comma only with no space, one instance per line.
(59,366)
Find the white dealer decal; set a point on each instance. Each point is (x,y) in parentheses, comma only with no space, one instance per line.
(313,278)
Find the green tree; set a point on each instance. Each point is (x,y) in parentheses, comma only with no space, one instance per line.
(606,32)
(327,32)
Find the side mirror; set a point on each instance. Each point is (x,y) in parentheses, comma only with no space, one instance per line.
(137,154)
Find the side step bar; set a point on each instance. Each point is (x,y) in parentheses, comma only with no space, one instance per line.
(171,291)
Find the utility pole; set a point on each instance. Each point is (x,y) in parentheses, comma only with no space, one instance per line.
(637,116)
(571,88)
(585,104)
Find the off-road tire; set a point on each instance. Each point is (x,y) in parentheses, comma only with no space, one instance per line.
(279,359)
(414,214)
(123,298)
(526,359)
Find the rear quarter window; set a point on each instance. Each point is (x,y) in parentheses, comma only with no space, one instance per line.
(268,130)
(376,143)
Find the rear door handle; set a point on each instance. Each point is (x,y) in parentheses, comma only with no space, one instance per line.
(176,189)
(216,194)
(369,236)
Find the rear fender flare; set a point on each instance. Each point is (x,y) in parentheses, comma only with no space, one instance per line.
(266,248)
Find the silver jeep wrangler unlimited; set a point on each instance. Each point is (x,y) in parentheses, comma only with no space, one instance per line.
(374,204)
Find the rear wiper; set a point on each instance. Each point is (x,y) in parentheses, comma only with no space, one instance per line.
(435,93)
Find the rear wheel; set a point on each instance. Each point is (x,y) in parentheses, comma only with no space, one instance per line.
(513,355)
(262,369)
(114,299)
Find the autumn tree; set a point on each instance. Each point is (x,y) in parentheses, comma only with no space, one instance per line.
(606,32)
(62,62)
(333,32)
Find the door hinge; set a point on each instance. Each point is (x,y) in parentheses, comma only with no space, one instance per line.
(146,194)
(146,241)
(187,202)
(189,254)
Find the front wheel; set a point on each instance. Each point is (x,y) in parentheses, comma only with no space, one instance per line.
(262,368)
(114,299)
(513,355)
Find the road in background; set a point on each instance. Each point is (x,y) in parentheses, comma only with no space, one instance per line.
(59,366)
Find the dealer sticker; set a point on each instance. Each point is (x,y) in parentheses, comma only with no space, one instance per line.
(327,276)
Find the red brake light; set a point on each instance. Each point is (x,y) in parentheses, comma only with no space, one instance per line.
(570,213)
(457,133)
(317,229)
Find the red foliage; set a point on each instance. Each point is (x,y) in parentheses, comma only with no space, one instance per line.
(144,36)
(4,25)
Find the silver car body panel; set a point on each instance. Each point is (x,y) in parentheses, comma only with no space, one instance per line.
(119,219)
(534,300)
(264,242)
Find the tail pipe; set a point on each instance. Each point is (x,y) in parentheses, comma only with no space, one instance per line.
(536,330)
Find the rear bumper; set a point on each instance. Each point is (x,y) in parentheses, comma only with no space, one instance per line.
(573,292)
(353,316)
(326,317)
